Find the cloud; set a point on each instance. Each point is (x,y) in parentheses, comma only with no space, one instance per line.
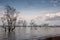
(24,17)
(36,17)
(53,17)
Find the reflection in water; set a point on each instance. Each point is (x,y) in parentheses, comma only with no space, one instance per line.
(26,33)
(8,36)
(11,35)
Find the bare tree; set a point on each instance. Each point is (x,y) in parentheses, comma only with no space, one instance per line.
(33,24)
(10,17)
(3,21)
(24,23)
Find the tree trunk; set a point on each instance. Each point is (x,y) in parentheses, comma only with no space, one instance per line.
(9,29)
(13,28)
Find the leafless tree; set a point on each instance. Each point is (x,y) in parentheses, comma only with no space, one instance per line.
(33,24)
(10,17)
(24,23)
(3,21)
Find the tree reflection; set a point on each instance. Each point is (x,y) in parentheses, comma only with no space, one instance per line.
(11,36)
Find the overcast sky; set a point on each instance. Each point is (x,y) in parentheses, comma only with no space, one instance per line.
(41,10)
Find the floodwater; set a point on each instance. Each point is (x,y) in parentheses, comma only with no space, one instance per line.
(28,33)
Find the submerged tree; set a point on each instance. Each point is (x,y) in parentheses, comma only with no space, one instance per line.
(10,17)
(24,23)
(33,24)
(3,21)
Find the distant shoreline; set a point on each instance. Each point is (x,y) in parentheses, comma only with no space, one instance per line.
(31,26)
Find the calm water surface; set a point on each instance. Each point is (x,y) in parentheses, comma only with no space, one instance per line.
(28,33)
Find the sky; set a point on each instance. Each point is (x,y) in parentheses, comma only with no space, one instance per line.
(39,10)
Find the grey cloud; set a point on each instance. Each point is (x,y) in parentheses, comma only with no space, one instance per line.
(53,18)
